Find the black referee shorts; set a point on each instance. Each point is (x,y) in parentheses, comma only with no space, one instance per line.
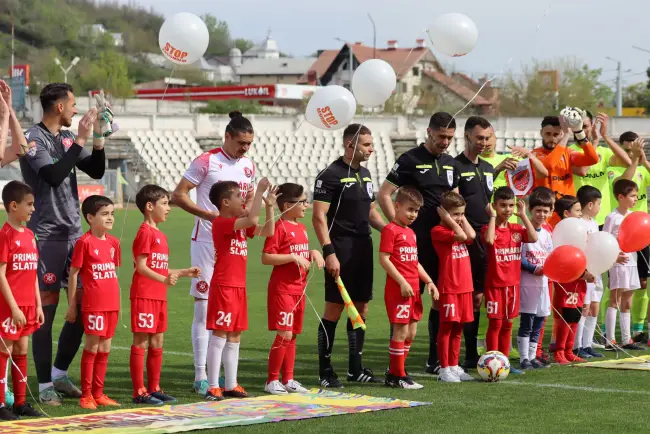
(355,255)
(428,259)
(478,260)
(642,263)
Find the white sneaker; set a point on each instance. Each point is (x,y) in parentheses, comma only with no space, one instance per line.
(597,345)
(408,383)
(293,386)
(448,376)
(275,388)
(462,375)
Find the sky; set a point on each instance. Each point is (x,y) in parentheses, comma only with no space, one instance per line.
(511,32)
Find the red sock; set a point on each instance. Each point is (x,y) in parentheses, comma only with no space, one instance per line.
(562,335)
(19,378)
(444,334)
(571,338)
(4,359)
(540,341)
(454,343)
(289,361)
(99,373)
(407,348)
(492,335)
(87,368)
(136,364)
(396,354)
(276,357)
(154,367)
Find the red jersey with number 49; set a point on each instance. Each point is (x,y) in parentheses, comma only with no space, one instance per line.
(401,244)
(231,252)
(151,242)
(504,256)
(18,250)
(98,261)
(288,238)
(455,269)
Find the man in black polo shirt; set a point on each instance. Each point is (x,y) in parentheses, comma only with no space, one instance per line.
(433,173)
(343,213)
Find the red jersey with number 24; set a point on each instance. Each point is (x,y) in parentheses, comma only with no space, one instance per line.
(18,250)
(401,244)
(288,238)
(504,256)
(455,269)
(231,252)
(151,242)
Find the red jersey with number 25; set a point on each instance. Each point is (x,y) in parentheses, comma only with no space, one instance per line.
(151,242)
(401,244)
(288,238)
(455,269)
(98,261)
(18,250)
(504,256)
(231,252)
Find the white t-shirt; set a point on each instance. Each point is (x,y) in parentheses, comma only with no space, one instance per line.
(592,228)
(208,169)
(612,225)
(536,254)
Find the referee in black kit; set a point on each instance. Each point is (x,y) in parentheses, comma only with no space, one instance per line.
(343,201)
(433,173)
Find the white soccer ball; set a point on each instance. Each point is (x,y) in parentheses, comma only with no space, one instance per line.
(493,366)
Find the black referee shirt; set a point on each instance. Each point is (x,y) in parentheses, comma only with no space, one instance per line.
(476,185)
(349,192)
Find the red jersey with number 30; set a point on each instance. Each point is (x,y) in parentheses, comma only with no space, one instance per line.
(98,261)
(288,238)
(455,269)
(18,250)
(151,242)
(401,244)
(504,256)
(231,252)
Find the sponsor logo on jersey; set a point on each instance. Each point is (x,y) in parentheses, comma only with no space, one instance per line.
(516,237)
(67,142)
(561,178)
(595,175)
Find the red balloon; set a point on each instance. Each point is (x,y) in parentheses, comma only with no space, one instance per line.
(634,234)
(565,264)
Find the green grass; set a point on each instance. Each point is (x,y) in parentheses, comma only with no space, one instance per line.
(535,402)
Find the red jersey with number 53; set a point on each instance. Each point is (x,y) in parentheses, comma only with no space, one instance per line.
(231,253)
(98,261)
(504,256)
(401,244)
(288,238)
(18,250)
(455,269)
(151,242)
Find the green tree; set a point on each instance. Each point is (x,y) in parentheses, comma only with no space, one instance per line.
(109,72)
(220,43)
(636,95)
(224,107)
(243,44)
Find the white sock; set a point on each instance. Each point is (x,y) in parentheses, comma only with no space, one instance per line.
(624,322)
(577,343)
(214,353)
(523,343)
(200,338)
(230,364)
(56,373)
(610,324)
(43,386)
(532,350)
(7,377)
(589,331)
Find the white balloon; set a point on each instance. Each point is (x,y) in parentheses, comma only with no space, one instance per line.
(331,108)
(602,252)
(373,82)
(183,38)
(571,231)
(453,34)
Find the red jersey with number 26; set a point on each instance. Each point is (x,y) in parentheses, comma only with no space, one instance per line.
(401,244)
(504,256)
(151,242)
(18,250)
(455,269)
(231,252)
(288,238)
(98,261)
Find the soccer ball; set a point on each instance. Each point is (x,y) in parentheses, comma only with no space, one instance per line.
(493,366)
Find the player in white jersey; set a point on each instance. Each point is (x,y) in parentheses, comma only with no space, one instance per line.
(228,163)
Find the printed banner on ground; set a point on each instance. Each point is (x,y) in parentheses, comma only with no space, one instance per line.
(641,363)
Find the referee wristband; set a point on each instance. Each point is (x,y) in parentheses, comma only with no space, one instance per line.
(328,249)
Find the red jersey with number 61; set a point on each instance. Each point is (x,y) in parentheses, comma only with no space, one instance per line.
(231,253)
(455,269)
(401,244)
(288,238)
(504,256)
(151,242)
(18,250)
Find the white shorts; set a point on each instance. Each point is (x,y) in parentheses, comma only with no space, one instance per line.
(594,294)
(202,256)
(626,278)
(535,300)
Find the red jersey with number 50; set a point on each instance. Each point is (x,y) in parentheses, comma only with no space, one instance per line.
(455,269)
(401,244)
(98,261)
(504,256)
(231,253)
(18,250)
(151,242)
(288,238)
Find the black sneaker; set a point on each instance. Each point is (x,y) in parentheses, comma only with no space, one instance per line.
(634,347)
(26,410)
(544,360)
(329,380)
(432,369)
(593,353)
(162,396)
(391,380)
(536,364)
(469,364)
(526,365)
(640,337)
(146,399)
(365,376)
(6,414)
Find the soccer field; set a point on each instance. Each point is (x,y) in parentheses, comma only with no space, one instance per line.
(560,399)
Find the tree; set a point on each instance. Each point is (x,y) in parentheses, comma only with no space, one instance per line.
(224,107)
(219,36)
(243,44)
(109,72)
(636,95)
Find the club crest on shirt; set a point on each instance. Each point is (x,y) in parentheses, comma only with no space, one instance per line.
(49,278)
(67,142)
(610,174)
(31,149)
(369,189)
(248,172)
(112,253)
(516,237)
(489,180)
(202,286)
(450,177)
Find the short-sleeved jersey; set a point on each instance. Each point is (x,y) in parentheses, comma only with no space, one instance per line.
(56,215)
(455,269)
(641,178)
(432,175)
(350,193)
(504,256)
(288,238)
(208,169)
(231,253)
(18,250)
(597,177)
(97,261)
(400,243)
(559,164)
(151,242)
(535,255)
(495,160)
(613,225)
(476,185)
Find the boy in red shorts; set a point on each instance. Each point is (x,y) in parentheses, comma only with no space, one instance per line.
(227,308)
(503,241)
(149,295)
(288,251)
(20,302)
(454,283)
(96,256)
(398,255)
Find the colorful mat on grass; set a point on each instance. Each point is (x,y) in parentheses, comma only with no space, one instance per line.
(204,415)
(641,363)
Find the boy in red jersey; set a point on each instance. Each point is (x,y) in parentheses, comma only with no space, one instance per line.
(227,308)
(398,255)
(503,242)
(20,302)
(454,283)
(96,256)
(288,251)
(149,295)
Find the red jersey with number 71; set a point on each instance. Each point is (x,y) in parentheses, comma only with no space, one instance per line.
(455,269)
(504,256)
(151,242)
(18,250)
(288,238)
(231,253)
(401,244)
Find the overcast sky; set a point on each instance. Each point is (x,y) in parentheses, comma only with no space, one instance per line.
(590,30)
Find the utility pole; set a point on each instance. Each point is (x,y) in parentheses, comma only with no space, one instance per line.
(374,37)
(619,90)
(11,74)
